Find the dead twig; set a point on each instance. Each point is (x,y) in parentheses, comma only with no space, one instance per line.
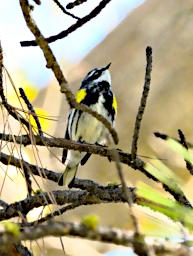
(72,28)
(64,10)
(139,239)
(31,109)
(75,3)
(143,102)
(51,215)
(189,166)
(182,141)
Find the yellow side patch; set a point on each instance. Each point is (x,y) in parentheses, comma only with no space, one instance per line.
(80,95)
(115,104)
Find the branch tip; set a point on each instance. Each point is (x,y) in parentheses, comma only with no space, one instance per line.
(160,135)
(148,51)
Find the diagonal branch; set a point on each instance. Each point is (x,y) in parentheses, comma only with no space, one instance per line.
(31,109)
(72,28)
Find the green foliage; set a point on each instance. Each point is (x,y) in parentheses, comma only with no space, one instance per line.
(176,146)
(159,202)
(164,174)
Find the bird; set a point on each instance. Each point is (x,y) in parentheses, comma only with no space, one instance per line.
(95,92)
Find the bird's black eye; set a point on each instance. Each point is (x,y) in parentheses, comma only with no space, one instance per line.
(96,73)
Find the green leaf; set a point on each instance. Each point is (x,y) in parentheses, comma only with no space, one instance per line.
(176,146)
(164,175)
(159,202)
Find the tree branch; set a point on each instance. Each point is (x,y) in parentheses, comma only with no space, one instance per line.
(103,234)
(124,158)
(72,28)
(102,195)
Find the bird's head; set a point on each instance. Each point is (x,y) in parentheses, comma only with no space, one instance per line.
(96,76)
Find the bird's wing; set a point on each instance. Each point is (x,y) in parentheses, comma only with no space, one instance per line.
(64,154)
(85,158)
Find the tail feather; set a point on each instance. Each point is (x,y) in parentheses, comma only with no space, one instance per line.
(67,177)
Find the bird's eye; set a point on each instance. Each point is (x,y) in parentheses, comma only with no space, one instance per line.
(96,73)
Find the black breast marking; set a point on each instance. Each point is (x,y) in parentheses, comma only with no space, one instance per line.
(91,98)
(108,104)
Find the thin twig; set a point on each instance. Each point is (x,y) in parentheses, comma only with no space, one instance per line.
(31,109)
(124,190)
(53,214)
(164,136)
(28,181)
(127,197)
(72,28)
(138,249)
(53,64)
(143,102)
(64,10)
(75,3)
(189,166)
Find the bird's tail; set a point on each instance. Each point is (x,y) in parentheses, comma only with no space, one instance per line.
(68,176)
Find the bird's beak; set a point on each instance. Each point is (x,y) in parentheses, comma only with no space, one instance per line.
(105,68)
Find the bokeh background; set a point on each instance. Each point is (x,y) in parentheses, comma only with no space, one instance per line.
(120,34)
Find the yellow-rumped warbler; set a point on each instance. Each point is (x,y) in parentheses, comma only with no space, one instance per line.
(95,92)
